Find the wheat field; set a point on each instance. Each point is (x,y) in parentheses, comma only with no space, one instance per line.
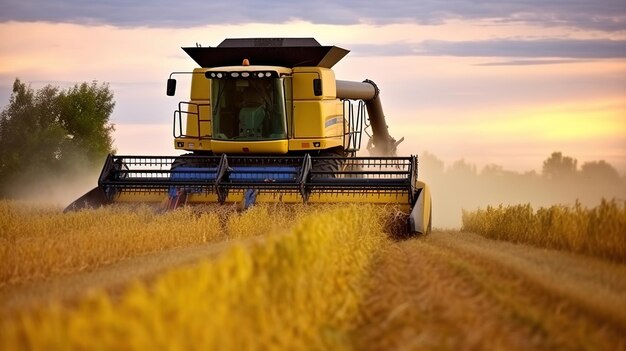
(43,242)
(312,278)
(598,231)
(281,294)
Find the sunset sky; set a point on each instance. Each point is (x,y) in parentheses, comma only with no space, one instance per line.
(504,82)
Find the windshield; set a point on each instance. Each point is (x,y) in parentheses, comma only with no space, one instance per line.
(248,109)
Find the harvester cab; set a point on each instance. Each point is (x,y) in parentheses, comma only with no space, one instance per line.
(267,117)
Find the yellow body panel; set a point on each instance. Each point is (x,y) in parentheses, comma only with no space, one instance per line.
(303,83)
(334,125)
(192,144)
(317,119)
(253,147)
(200,85)
(310,144)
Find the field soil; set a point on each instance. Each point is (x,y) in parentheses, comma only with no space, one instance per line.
(460,291)
(445,290)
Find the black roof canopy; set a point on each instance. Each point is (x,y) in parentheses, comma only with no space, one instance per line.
(285,52)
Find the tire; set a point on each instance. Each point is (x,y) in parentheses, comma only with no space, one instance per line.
(324,165)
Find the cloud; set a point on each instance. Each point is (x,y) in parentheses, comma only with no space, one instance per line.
(541,48)
(529,62)
(606,15)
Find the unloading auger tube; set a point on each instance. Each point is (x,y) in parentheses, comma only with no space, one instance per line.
(383,143)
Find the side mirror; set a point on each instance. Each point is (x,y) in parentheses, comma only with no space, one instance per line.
(317,87)
(171,87)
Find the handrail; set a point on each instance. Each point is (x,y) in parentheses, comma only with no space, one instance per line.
(355,125)
(178,115)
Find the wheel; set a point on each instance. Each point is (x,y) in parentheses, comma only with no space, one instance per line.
(333,165)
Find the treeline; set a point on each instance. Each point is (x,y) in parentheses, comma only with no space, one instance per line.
(561,181)
(53,133)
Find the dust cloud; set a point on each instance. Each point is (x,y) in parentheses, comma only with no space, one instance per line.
(57,188)
(462,186)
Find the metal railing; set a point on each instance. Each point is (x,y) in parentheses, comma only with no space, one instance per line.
(355,125)
(178,119)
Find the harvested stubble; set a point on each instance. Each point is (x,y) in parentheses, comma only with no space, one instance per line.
(599,231)
(298,289)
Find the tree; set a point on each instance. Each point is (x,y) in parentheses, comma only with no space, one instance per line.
(14,122)
(462,169)
(53,131)
(599,171)
(558,166)
(84,115)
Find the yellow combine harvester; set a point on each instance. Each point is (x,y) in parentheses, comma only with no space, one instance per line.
(268,122)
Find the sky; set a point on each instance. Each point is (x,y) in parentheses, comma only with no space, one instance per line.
(491,82)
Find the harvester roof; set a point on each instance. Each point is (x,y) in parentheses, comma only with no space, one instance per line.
(285,52)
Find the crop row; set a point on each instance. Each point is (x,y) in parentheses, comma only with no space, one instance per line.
(598,231)
(39,243)
(297,289)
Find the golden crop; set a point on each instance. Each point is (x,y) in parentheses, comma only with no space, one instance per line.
(599,231)
(37,243)
(297,289)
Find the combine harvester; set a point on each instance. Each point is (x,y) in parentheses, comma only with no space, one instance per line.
(268,122)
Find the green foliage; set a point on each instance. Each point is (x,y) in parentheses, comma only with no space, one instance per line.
(53,131)
(85,110)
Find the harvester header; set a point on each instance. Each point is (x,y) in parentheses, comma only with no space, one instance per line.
(266,121)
